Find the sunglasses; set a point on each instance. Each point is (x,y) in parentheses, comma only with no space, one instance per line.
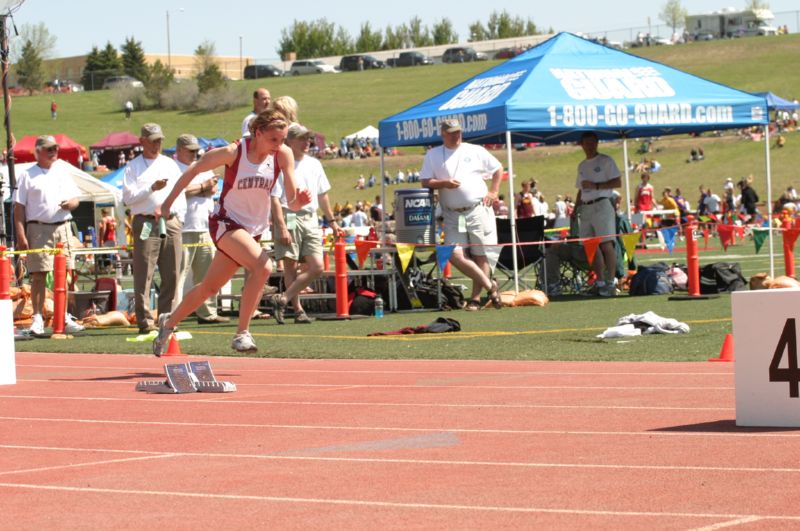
(52,149)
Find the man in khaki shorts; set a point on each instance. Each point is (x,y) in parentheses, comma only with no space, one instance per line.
(459,171)
(297,235)
(44,200)
(598,175)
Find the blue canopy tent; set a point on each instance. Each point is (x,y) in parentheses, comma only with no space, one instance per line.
(206,144)
(567,85)
(776,103)
(115,177)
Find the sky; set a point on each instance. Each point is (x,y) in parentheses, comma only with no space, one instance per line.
(79,25)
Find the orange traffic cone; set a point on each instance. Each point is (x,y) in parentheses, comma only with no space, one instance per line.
(174,347)
(726,353)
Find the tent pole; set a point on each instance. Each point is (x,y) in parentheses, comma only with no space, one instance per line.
(769,198)
(512,214)
(627,177)
(383,202)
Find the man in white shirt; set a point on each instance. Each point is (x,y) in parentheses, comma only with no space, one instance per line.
(198,250)
(44,200)
(148,180)
(458,170)
(298,236)
(598,175)
(261,99)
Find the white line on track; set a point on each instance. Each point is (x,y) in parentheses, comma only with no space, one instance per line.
(438,462)
(222,400)
(439,386)
(730,523)
(153,455)
(394,505)
(648,433)
(458,372)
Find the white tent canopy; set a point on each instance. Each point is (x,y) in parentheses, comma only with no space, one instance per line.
(369,132)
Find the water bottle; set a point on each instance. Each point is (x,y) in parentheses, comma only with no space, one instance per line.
(378,307)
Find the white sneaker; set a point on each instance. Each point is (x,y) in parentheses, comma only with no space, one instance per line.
(243,342)
(37,325)
(71,326)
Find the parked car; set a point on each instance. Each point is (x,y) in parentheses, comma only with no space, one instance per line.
(121,81)
(413,59)
(311,66)
(367,62)
(704,35)
(463,54)
(507,53)
(391,62)
(259,71)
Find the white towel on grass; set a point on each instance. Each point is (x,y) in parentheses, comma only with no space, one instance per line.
(645,323)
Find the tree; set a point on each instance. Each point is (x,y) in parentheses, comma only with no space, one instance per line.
(501,26)
(209,76)
(392,39)
(318,38)
(754,5)
(90,68)
(29,68)
(418,35)
(133,62)
(159,79)
(368,40)
(110,60)
(477,32)
(40,38)
(673,14)
(443,32)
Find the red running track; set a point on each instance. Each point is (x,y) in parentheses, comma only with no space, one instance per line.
(389,445)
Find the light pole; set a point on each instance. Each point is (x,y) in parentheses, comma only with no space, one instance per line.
(169,50)
(6,8)
(241,72)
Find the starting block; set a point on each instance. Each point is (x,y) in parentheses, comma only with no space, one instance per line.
(192,377)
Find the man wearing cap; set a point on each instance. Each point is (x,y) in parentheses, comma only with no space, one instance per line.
(458,170)
(198,249)
(598,175)
(261,99)
(44,200)
(297,234)
(148,180)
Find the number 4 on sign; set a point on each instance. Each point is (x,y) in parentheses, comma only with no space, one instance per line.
(787,342)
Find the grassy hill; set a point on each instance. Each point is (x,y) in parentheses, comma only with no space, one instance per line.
(339,104)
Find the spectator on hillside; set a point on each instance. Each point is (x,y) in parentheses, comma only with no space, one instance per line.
(376,210)
(361,183)
(524,203)
(644,195)
(749,198)
(712,202)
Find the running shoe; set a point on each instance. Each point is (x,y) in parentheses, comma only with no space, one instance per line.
(37,325)
(161,342)
(243,342)
(71,326)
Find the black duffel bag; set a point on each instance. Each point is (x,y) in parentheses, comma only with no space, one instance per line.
(721,277)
